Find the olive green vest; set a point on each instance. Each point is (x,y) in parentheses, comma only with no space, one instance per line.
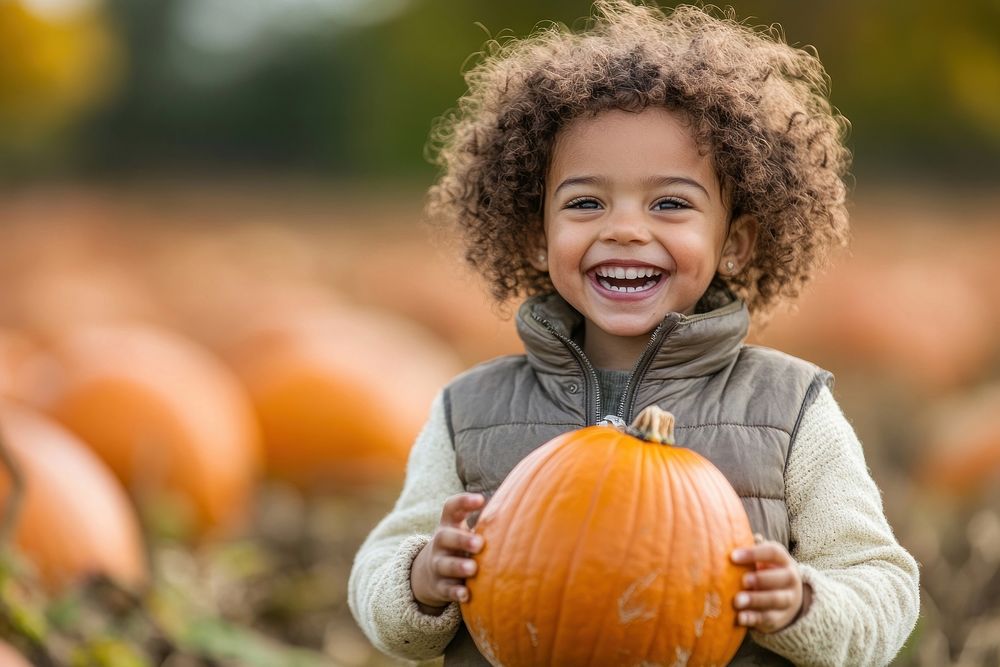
(737,405)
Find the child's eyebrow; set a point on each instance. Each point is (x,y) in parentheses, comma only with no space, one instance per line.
(653,181)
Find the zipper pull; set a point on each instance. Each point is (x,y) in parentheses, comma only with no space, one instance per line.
(614,421)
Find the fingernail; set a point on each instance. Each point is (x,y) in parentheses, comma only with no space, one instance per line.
(744,619)
(463,595)
(742,599)
(476,542)
(748,581)
(468,567)
(739,554)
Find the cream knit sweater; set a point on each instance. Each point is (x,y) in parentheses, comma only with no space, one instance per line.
(865,585)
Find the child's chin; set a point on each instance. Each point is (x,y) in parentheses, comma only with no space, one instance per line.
(630,329)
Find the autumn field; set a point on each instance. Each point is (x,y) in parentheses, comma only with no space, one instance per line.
(209,394)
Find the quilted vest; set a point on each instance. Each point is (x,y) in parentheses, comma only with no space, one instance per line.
(735,404)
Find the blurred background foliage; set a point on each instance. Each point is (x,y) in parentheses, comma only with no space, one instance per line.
(230,188)
(348,88)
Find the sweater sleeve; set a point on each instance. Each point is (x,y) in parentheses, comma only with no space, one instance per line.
(379,591)
(865,585)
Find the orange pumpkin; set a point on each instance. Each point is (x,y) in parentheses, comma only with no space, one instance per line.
(75,519)
(168,418)
(606,549)
(320,382)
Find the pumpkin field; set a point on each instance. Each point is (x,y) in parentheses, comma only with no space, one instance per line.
(223,321)
(207,396)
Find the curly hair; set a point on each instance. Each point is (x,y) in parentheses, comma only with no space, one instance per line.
(758,105)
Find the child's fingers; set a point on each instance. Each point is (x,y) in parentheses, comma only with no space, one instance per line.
(457,540)
(781,599)
(453,567)
(767,621)
(449,590)
(770,578)
(459,594)
(459,506)
(765,553)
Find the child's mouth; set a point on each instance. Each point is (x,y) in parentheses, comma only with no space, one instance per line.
(627,279)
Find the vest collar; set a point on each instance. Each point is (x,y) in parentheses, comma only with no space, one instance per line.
(682,346)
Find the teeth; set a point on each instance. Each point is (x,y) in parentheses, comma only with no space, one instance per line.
(630,272)
(614,288)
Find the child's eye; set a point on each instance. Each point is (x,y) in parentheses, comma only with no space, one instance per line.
(584,203)
(670,204)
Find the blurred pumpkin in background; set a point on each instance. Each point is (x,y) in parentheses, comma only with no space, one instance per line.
(441,293)
(56,60)
(962,457)
(933,333)
(53,297)
(341,394)
(168,418)
(75,519)
(66,260)
(16,349)
(212,280)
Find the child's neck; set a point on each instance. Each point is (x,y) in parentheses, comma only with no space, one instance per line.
(618,353)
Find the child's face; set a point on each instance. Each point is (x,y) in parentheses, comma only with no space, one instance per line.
(635,221)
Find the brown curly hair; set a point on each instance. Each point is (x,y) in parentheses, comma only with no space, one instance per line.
(757,104)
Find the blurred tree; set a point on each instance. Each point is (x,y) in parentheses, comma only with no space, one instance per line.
(57,59)
(923,83)
(350,88)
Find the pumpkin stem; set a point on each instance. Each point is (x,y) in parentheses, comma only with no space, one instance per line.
(655,424)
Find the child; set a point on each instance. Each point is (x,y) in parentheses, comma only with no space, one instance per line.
(650,184)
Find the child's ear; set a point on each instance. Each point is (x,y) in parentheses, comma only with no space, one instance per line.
(539,259)
(737,251)
(537,256)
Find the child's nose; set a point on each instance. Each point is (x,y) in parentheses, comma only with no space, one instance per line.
(625,226)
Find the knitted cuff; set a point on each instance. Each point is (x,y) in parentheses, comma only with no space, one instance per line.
(420,635)
(808,640)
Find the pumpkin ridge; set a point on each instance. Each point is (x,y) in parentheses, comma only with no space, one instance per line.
(672,505)
(608,464)
(521,482)
(565,451)
(557,457)
(646,451)
(665,510)
(626,553)
(691,475)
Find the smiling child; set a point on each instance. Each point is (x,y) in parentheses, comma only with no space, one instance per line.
(650,185)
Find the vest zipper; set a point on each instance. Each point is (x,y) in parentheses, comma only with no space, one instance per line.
(639,370)
(591,384)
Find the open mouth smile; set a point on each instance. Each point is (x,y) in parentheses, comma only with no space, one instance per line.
(627,280)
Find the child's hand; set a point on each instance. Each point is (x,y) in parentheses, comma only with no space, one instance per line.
(773,595)
(438,574)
